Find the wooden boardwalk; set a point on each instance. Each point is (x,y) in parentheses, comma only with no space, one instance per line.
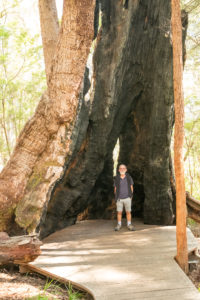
(120,265)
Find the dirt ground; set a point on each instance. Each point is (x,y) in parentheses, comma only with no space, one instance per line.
(14,285)
(194,275)
(194,270)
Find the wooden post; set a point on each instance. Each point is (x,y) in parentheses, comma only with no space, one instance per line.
(181,212)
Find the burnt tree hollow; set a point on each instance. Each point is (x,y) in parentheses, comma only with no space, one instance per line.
(127,94)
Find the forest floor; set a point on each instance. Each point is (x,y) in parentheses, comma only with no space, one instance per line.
(34,287)
(194,273)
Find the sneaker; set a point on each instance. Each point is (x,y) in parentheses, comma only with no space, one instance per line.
(130,227)
(118,227)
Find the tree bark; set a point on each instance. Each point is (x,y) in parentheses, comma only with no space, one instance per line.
(18,250)
(181,235)
(44,144)
(49,31)
(133,78)
(145,136)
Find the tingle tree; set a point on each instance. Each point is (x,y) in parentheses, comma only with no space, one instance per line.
(62,162)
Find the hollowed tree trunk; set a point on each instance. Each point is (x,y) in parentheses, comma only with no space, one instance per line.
(127,92)
(146,137)
(133,99)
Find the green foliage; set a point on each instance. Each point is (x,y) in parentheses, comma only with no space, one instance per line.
(22,75)
(192,98)
(72,294)
(190,221)
(50,285)
(39,297)
(54,288)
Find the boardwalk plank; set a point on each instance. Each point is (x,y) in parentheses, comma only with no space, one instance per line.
(119,265)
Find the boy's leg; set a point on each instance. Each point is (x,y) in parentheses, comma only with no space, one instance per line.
(128,217)
(119,215)
(128,213)
(127,204)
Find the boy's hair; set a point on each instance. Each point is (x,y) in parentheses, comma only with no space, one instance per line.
(122,165)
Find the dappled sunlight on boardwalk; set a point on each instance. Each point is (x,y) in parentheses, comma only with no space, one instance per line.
(119,265)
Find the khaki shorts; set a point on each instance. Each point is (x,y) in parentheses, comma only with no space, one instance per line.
(124,202)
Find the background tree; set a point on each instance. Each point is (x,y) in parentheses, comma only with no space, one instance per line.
(192,98)
(22,77)
(49,31)
(181,236)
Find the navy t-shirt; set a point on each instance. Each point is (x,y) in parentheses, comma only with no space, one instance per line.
(123,191)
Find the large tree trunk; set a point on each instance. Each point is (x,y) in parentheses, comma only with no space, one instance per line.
(146,137)
(49,30)
(146,133)
(44,143)
(133,80)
